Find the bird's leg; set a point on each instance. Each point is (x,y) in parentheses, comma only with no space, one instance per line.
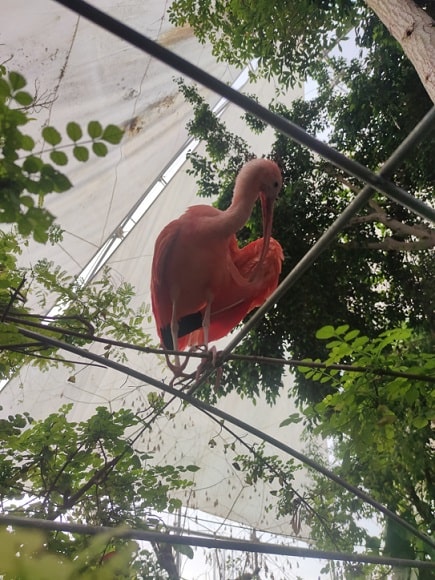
(176,368)
(212,352)
(174,333)
(206,322)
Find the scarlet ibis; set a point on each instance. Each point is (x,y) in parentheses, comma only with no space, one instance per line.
(202,283)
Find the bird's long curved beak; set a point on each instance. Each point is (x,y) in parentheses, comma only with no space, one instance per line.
(267,205)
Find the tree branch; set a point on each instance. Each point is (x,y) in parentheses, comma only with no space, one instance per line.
(98,477)
(425,234)
(422,507)
(390,243)
(417,230)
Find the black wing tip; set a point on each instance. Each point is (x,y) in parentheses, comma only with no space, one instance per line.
(186,325)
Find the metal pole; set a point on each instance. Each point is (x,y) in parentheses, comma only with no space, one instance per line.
(211,542)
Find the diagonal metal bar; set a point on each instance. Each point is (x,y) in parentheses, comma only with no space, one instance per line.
(215,412)
(416,135)
(350,166)
(210,541)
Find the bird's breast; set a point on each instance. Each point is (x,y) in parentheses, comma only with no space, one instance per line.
(199,263)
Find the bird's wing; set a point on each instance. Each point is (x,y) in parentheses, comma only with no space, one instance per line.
(173,272)
(160,296)
(232,304)
(250,285)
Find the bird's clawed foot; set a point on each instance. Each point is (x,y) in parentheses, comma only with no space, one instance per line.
(177,368)
(181,378)
(209,362)
(212,361)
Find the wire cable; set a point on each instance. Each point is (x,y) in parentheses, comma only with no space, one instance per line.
(232,420)
(22,319)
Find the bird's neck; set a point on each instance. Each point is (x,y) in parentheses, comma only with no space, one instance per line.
(244,198)
(236,217)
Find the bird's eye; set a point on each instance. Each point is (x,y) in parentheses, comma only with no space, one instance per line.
(276,184)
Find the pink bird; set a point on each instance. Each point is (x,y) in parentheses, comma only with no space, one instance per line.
(202,283)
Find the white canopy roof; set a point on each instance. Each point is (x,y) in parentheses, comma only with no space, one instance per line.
(82,73)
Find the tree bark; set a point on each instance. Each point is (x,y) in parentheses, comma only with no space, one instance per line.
(420,237)
(411,237)
(414,29)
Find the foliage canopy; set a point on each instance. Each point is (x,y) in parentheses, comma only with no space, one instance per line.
(25,176)
(290,38)
(88,472)
(371,293)
(379,272)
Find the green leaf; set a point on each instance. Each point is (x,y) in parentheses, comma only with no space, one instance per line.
(81,153)
(74,131)
(5,89)
(40,235)
(293,418)
(27,201)
(360,341)
(325,332)
(32,164)
(334,344)
(17,80)
(23,98)
(342,329)
(192,468)
(185,550)
(100,149)
(27,143)
(95,129)
(61,182)
(59,157)
(351,335)
(16,117)
(420,422)
(112,134)
(51,135)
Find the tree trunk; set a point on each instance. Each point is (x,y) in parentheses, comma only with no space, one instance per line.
(414,29)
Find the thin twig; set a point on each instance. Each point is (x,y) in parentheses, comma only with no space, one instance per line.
(34,354)
(15,294)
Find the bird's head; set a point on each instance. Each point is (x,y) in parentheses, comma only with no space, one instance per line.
(262,178)
(270,186)
(269,183)
(270,178)
(259,178)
